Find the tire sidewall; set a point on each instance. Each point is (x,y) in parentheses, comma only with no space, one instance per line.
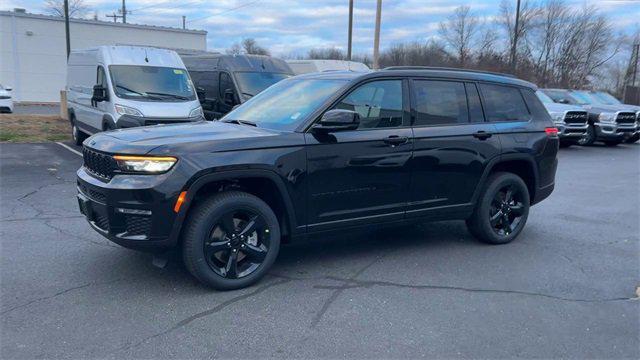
(497,183)
(201,230)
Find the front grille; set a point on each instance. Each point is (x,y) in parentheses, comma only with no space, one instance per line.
(626,118)
(167,121)
(101,221)
(93,194)
(576,117)
(138,225)
(99,164)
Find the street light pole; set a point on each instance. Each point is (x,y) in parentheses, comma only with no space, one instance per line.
(66,26)
(376,39)
(350,29)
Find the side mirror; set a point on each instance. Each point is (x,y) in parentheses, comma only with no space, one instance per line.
(201,93)
(338,120)
(229,98)
(99,94)
(563,101)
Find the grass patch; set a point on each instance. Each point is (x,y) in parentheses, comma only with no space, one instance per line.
(33,128)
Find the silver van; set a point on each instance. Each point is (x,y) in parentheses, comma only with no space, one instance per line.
(113,87)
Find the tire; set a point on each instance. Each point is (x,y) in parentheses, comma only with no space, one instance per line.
(589,138)
(77,135)
(633,139)
(482,223)
(208,250)
(612,143)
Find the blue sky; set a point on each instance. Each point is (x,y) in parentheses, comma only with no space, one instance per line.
(289,27)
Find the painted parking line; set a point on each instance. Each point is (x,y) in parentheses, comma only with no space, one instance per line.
(69,148)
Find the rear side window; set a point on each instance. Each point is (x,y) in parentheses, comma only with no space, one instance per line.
(379,104)
(440,103)
(535,105)
(504,103)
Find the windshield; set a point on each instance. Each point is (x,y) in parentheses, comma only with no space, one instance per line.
(559,95)
(285,105)
(252,83)
(583,97)
(151,83)
(606,98)
(544,98)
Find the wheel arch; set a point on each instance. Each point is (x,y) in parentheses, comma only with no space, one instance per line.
(520,164)
(264,184)
(108,120)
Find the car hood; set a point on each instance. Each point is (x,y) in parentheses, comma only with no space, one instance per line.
(557,107)
(600,108)
(208,136)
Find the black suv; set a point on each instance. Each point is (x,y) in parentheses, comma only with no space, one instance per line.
(320,152)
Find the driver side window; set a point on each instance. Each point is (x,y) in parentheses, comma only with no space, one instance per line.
(379,104)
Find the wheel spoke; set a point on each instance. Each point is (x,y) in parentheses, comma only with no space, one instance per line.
(231,269)
(228,224)
(250,227)
(506,225)
(496,218)
(508,195)
(517,209)
(216,246)
(256,254)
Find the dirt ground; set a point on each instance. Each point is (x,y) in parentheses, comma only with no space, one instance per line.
(33,128)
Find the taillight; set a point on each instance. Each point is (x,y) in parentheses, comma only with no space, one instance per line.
(551,131)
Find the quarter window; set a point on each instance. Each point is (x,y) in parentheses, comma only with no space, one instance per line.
(440,103)
(379,104)
(504,103)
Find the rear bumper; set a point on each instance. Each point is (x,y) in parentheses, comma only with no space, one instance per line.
(134,211)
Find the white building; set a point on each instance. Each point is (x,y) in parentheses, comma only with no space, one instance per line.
(33,50)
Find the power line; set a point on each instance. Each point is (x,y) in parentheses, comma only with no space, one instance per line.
(224,11)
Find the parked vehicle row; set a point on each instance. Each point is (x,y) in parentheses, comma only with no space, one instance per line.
(609,120)
(327,151)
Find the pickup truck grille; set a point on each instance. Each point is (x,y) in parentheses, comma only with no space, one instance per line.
(576,117)
(99,164)
(626,118)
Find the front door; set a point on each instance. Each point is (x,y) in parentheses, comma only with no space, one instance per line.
(453,145)
(362,176)
(228,95)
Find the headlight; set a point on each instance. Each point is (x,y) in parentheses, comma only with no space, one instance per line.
(125,110)
(196,112)
(607,117)
(145,164)
(557,116)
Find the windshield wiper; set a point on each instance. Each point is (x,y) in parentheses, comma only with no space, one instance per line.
(240,122)
(175,96)
(249,95)
(129,90)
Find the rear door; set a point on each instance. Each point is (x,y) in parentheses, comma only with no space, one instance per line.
(362,176)
(453,145)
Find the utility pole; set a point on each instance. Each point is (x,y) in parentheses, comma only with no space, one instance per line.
(66,26)
(514,46)
(350,29)
(184,22)
(376,38)
(124,12)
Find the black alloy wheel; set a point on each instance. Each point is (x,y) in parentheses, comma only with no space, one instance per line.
(237,244)
(230,240)
(506,210)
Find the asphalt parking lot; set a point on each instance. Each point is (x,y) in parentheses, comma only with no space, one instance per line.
(566,288)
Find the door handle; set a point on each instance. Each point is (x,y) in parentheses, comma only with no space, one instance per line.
(482,135)
(394,140)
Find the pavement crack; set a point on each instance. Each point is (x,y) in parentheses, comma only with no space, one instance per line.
(206,313)
(325,306)
(59,293)
(355,284)
(75,236)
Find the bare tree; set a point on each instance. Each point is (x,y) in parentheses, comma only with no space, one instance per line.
(458,32)
(247,46)
(528,20)
(554,17)
(56,7)
(327,54)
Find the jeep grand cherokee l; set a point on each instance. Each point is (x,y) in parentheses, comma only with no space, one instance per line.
(324,152)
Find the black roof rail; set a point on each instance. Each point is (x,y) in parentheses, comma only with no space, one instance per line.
(447,69)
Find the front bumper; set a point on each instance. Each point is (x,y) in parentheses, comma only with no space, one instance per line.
(614,131)
(568,131)
(128,121)
(134,211)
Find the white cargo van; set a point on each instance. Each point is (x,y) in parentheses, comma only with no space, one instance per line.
(308,66)
(112,87)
